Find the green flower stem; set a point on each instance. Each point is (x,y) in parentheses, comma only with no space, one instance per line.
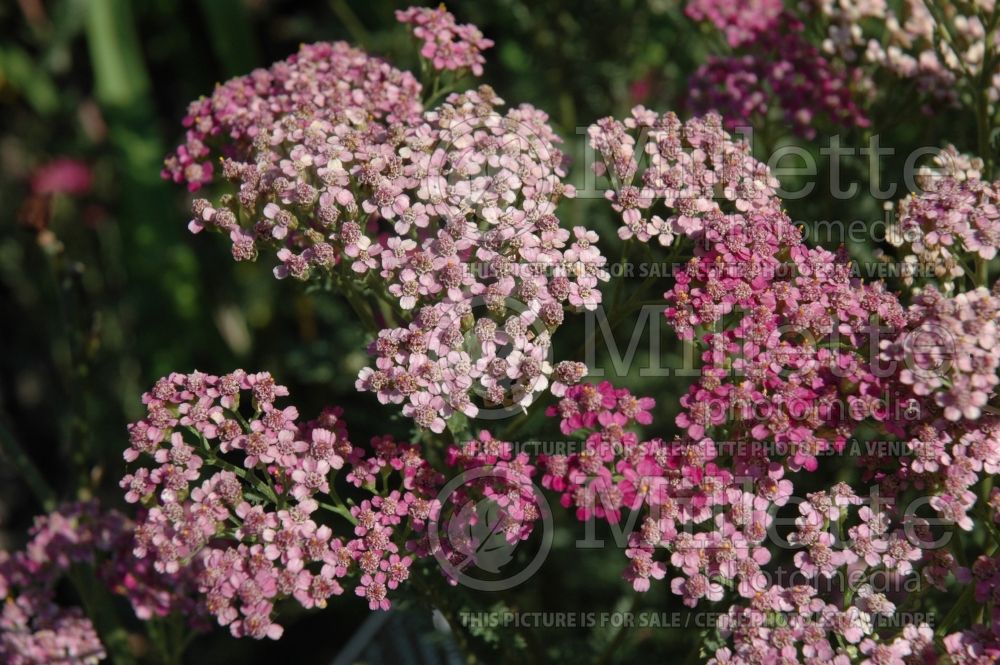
(100,609)
(16,455)
(956,610)
(982,271)
(351,21)
(610,652)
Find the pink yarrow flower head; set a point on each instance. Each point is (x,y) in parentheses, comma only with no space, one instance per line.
(242,509)
(446,44)
(450,214)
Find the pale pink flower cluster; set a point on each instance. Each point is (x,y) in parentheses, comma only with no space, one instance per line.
(447,44)
(448,217)
(489,275)
(252,550)
(329,81)
(238,489)
(954,218)
(950,351)
(936,49)
(692,168)
(713,525)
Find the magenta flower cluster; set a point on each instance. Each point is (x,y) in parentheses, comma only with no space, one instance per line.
(775,67)
(741,23)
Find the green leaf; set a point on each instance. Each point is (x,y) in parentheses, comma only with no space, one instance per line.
(29,79)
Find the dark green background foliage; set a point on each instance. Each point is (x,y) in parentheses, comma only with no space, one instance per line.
(104,293)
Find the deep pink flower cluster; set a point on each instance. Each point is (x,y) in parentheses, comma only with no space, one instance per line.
(791,367)
(35,629)
(837,535)
(741,22)
(325,81)
(447,44)
(777,67)
(497,483)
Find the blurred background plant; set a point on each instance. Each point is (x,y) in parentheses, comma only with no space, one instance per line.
(102,289)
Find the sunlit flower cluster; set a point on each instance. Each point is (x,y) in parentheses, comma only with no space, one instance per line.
(791,367)
(237,488)
(327,81)
(448,218)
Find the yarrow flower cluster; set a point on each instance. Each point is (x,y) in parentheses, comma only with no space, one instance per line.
(769,404)
(936,45)
(252,550)
(489,287)
(741,23)
(775,67)
(329,81)
(438,222)
(950,353)
(955,217)
(448,216)
(35,629)
(447,45)
(692,168)
(236,486)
